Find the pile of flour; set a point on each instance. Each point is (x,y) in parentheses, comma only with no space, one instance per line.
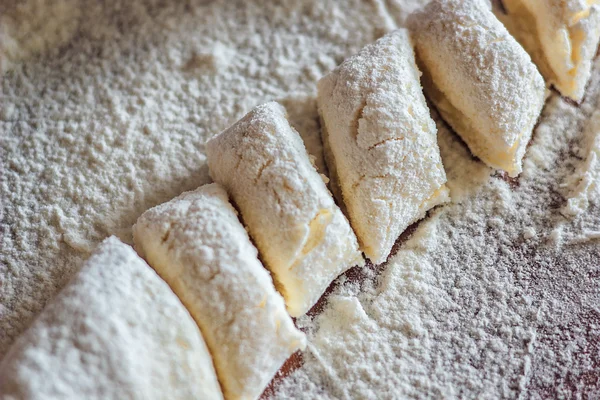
(104,112)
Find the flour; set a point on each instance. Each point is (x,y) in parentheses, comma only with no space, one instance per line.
(112,122)
(31,28)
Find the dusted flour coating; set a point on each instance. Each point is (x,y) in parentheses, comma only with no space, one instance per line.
(197,244)
(301,233)
(480,79)
(561,37)
(380,142)
(116,331)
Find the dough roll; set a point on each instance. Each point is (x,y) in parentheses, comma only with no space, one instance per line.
(116,331)
(198,245)
(480,79)
(561,36)
(303,237)
(380,142)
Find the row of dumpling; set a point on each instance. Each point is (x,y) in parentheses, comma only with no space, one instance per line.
(117,330)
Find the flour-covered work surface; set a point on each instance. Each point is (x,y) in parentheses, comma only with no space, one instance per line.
(105,110)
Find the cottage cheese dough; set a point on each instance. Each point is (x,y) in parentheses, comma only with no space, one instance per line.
(304,238)
(561,37)
(480,79)
(197,244)
(380,142)
(116,331)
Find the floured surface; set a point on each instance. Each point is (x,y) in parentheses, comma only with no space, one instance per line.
(497,296)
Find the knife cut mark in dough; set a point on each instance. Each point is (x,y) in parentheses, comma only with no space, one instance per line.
(380,142)
(481,80)
(302,235)
(561,37)
(213,267)
(115,331)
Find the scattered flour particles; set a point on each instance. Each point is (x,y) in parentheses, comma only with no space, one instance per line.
(104,112)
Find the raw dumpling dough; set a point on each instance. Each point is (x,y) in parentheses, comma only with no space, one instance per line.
(303,237)
(480,79)
(561,36)
(198,245)
(116,331)
(380,142)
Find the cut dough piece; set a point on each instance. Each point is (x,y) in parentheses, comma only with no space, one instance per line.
(304,238)
(561,36)
(380,142)
(198,245)
(480,79)
(116,331)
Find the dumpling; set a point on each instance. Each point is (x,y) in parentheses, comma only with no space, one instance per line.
(198,245)
(380,142)
(561,36)
(480,79)
(116,331)
(302,235)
